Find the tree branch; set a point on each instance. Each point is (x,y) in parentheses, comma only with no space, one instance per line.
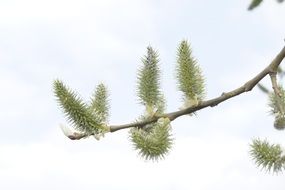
(248,86)
(274,83)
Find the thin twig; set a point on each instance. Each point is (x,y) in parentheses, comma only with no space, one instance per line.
(248,86)
(276,90)
(274,83)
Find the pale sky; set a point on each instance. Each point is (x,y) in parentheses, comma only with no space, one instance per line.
(87,42)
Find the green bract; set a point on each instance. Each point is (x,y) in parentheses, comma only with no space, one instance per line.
(77,112)
(270,157)
(190,80)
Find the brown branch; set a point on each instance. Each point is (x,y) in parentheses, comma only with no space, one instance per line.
(248,86)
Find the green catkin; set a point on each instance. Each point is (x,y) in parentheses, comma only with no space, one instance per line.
(99,103)
(269,157)
(76,110)
(152,141)
(189,76)
(277,105)
(148,79)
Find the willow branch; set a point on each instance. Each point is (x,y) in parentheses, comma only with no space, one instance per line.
(274,83)
(246,87)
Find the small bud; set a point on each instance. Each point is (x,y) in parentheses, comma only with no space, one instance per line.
(66,131)
(73,135)
(97,136)
(279,123)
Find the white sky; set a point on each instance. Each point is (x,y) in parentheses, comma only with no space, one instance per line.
(86,42)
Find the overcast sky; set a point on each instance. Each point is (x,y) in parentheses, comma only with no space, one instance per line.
(87,42)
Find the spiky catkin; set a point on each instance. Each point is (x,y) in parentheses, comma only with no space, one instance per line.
(268,156)
(190,80)
(148,79)
(154,140)
(76,111)
(277,102)
(277,105)
(99,103)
